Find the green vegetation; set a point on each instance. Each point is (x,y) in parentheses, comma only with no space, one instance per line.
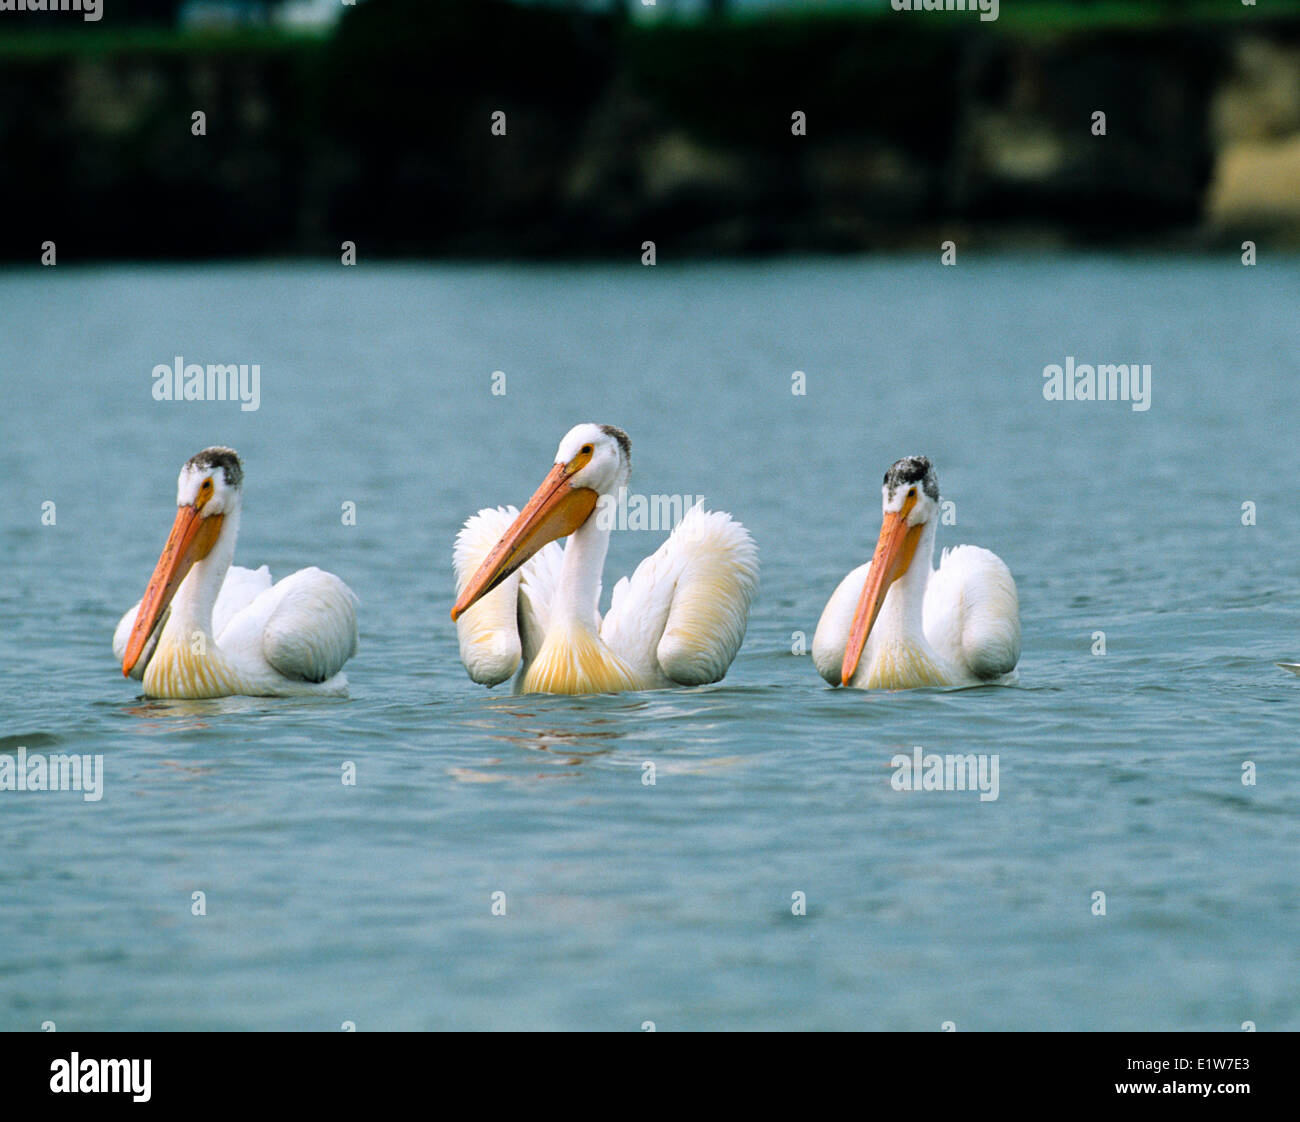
(1046,15)
(1062,15)
(1015,17)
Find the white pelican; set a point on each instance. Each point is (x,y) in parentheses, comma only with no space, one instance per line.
(229,630)
(524,604)
(897,622)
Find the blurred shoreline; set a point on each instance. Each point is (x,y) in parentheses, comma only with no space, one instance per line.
(918,130)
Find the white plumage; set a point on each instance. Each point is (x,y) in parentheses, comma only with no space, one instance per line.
(299,631)
(678,620)
(225,629)
(238,590)
(972,612)
(304,627)
(492,634)
(919,626)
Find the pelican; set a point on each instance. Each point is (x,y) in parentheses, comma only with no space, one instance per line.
(898,623)
(207,629)
(525,607)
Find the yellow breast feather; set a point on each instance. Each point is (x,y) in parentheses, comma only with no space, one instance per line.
(574,660)
(178,670)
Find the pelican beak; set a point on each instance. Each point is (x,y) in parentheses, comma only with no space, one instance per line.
(191,539)
(555,511)
(894,552)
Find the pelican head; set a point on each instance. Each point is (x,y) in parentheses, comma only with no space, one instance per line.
(599,456)
(207,492)
(909,501)
(592,460)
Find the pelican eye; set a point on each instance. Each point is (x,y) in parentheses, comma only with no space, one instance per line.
(581,460)
(911,492)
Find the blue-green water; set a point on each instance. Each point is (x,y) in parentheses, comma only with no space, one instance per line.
(626,903)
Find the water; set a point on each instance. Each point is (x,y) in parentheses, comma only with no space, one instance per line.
(671,903)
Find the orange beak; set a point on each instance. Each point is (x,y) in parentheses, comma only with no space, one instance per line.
(191,539)
(555,511)
(894,552)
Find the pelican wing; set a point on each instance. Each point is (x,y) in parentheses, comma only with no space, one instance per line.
(681,617)
(972,613)
(507,625)
(832,634)
(122,636)
(304,626)
(238,590)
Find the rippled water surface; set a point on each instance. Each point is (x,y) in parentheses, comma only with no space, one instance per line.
(626,903)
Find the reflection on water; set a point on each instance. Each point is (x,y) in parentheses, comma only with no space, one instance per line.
(173,715)
(589,734)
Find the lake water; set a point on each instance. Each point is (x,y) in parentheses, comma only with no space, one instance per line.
(627,903)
